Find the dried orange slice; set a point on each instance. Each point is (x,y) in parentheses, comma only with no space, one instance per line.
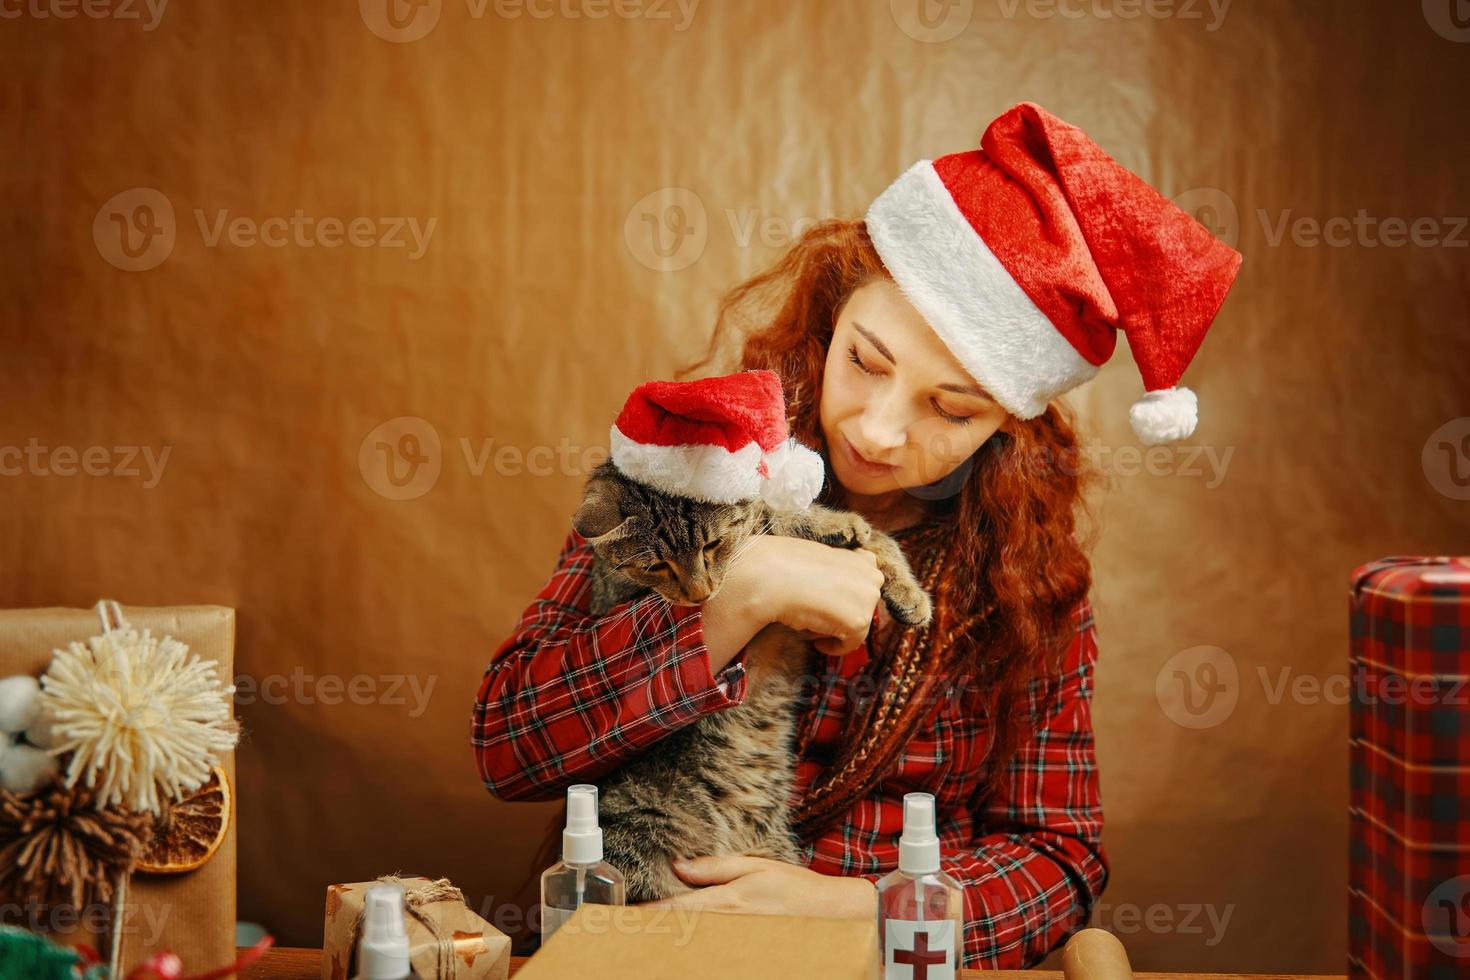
(191,829)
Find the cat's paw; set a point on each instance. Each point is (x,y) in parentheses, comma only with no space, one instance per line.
(907,602)
(847,531)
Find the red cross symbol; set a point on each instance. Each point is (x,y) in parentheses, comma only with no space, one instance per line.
(921,957)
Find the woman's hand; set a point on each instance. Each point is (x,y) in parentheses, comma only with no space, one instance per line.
(737,883)
(828,593)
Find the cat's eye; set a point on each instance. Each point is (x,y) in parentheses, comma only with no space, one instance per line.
(659,568)
(713,546)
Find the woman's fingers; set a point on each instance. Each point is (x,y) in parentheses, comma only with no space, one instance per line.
(715,869)
(829,591)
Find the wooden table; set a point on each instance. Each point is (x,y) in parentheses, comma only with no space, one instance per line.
(306,964)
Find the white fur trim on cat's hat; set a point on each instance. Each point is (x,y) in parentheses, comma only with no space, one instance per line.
(1028,255)
(721,440)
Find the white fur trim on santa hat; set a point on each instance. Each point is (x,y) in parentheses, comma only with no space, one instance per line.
(796,475)
(709,473)
(1164,415)
(955,281)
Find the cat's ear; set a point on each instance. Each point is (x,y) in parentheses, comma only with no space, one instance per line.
(599,513)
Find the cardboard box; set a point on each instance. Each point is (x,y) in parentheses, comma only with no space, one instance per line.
(191,914)
(477,950)
(636,943)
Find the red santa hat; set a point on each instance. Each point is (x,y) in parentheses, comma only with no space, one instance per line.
(1028,255)
(721,440)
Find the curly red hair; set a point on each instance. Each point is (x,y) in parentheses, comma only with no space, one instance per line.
(1014,567)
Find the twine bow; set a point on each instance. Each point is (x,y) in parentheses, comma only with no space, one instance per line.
(414,899)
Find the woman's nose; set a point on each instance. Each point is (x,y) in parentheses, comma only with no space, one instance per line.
(882,429)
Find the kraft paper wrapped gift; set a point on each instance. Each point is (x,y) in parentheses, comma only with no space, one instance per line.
(447,941)
(191,914)
(636,943)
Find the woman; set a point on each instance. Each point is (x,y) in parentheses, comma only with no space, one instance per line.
(921,350)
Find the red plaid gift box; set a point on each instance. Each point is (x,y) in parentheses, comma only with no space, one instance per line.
(1409,807)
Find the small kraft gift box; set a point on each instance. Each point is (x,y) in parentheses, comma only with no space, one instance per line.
(1409,721)
(446,940)
(135,857)
(642,943)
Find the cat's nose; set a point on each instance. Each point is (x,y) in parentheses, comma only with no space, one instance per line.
(699,596)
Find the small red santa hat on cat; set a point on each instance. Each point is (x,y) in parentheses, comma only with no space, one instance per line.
(722,440)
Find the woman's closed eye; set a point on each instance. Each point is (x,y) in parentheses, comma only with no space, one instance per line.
(852,355)
(950,417)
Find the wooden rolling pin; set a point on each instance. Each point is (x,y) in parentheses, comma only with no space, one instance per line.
(1095,954)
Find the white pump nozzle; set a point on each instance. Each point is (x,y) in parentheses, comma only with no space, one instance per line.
(918,848)
(581,842)
(383,952)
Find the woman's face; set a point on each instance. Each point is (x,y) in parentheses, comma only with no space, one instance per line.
(897,409)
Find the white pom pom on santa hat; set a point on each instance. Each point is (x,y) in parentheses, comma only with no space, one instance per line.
(1164,415)
(796,475)
(722,440)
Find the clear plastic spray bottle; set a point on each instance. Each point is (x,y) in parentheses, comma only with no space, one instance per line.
(920,908)
(382,952)
(581,876)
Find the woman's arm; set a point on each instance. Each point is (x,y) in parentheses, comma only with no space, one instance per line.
(1032,877)
(569,696)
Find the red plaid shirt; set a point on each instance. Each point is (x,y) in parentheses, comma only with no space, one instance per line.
(569,697)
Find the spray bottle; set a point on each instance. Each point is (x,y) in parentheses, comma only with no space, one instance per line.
(920,908)
(581,876)
(382,952)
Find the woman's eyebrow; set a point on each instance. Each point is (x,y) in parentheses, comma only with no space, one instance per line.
(965,390)
(882,349)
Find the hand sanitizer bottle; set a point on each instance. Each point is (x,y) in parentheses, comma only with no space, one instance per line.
(582,875)
(920,908)
(382,952)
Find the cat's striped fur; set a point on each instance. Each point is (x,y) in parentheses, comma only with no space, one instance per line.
(720,785)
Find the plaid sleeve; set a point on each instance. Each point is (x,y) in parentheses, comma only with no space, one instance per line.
(1036,869)
(569,696)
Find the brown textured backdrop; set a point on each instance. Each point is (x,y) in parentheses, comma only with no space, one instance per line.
(534,143)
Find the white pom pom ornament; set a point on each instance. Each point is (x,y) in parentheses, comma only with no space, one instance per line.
(1164,415)
(144,719)
(25,768)
(20,699)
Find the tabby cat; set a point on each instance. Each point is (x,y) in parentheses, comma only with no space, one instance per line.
(719,785)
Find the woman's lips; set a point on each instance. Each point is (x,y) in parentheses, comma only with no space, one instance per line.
(864,465)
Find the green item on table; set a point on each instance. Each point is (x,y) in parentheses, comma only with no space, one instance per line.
(27,956)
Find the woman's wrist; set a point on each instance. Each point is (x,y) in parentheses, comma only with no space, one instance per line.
(731,618)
